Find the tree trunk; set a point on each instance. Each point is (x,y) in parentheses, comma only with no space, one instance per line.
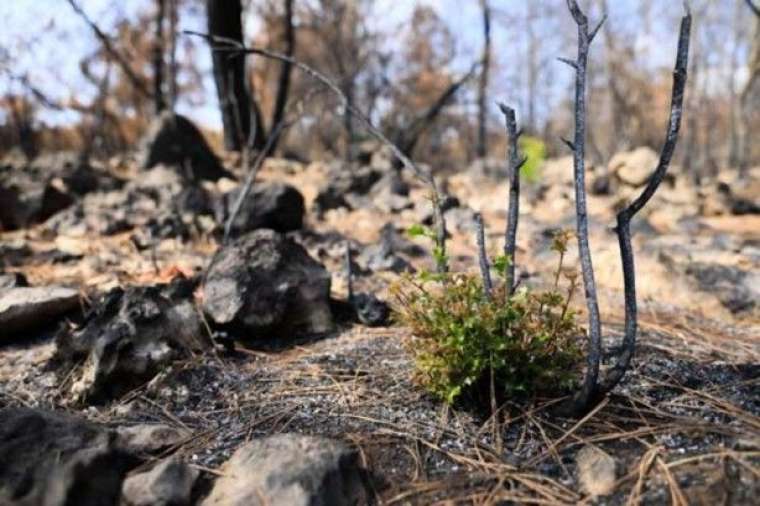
(239,112)
(482,146)
(283,82)
(158,58)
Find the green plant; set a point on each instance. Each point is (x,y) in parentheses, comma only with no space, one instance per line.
(534,150)
(470,344)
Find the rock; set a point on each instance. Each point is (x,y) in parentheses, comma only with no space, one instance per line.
(160,204)
(149,438)
(277,206)
(342,181)
(597,471)
(292,470)
(12,280)
(425,213)
(737,289)
(56,459)
(741,199)
(603,184)
(128,337)
(174,140)
(266,284)
(370,310)
(24,309)
(169,483)
(33,193)
(634,167)
(384,255)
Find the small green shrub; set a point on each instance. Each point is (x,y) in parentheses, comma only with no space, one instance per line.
(534,150)
(464,343)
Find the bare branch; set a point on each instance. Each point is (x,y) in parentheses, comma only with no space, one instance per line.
(513,213)
(485,270)
(283,82)
(624,217)
(596,28)
(568,143)
(567,61)
(583,398)
(136,81)
(751,5)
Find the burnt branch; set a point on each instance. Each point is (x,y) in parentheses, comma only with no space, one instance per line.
(755,8)
(349,273)
(408,137)
(225,45)
(624,217)
(133,78)
(578,146)
(513,213)
(485,269)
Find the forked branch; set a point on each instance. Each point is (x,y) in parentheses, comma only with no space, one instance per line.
(624,217)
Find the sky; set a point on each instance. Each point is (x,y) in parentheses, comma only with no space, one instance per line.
(50,51)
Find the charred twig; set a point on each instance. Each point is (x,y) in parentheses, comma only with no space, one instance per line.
(624,217)
(136,81)
(485,271)
(513,215)
(578,146)
(222,44)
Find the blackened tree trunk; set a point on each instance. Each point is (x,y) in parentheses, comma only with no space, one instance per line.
(239,111)
(482,147)
(158,58)
(283,82)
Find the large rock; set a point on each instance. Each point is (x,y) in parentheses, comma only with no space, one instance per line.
(25,309)
(54,459)
(169,483)
(291,470)
(175,141)
(264,283)
(129,336)
(277,206)
(634,167)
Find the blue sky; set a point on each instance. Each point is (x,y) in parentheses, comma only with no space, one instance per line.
(46,40)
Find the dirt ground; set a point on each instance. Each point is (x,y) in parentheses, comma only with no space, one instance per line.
(683,427)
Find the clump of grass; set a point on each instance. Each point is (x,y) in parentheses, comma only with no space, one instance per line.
(472,345)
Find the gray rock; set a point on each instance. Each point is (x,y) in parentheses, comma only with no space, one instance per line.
(737,289)
(343,181)
(291,470)
(149,438)
(12,280)
(175,141)
(128,337)
(55,459)
(32,193)
(169,483)
(277,206)
(24,309)
(264,283)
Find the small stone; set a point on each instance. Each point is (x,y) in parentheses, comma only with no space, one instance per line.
(597,471)
(149,438)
